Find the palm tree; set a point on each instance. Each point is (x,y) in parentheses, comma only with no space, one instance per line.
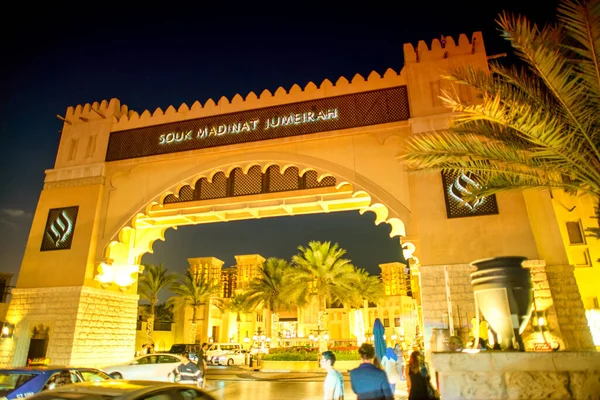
(154,279)
(239,304)
(266,289)
(366,289)
(320,270)
(536,126)
(163,312)
(193,291)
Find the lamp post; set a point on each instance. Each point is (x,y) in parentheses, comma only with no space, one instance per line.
(318,332)
(259,338)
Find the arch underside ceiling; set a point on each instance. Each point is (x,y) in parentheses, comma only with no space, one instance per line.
(285,191)
(295,202)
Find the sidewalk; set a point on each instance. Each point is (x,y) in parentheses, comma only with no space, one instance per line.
(401,392)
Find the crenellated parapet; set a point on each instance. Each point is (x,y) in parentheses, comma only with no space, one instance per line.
(96,110)
(342,86)
(445,47)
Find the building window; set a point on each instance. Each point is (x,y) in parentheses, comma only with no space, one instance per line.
(435,93)
(73,149)
(91,147)
(575,232)
(386,322)
(259,318)
(397,321)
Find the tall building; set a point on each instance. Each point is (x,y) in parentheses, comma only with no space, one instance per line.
(248,267)
(206,268)
(228,282)
(396,279)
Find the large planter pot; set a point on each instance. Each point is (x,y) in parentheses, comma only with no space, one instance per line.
(503,293)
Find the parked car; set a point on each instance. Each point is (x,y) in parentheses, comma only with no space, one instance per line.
(217,349)
(18,383)
(192,348)
(124,390)
(153,367)
(235,357)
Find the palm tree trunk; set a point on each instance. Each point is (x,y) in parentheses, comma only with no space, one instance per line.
(237,327)
(150,326)
(274,329)
(193,330)
(322,324)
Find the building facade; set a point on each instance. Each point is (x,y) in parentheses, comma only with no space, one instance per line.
(346,326)
(122,178)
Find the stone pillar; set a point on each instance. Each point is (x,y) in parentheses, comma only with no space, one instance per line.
(86,326)
(556,292)
(569,308)
(433,297)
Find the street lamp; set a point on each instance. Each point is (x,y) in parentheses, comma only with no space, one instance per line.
(259,338)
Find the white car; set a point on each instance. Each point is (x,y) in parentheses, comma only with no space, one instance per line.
(153,367)
(234,357)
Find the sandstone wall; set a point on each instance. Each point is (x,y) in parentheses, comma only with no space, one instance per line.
(518,375)
(86,326)
(433,297)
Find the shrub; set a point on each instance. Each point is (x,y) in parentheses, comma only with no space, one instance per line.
(291,356)
(310,354)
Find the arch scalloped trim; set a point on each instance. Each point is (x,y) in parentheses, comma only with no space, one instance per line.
(129,247)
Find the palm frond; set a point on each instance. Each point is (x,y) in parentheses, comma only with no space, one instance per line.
(541,50)
(582,23)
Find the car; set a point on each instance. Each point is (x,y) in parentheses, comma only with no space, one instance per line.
(125,390)
(18,383)
(193,350)
(235,357)
(153,367)
(217,349)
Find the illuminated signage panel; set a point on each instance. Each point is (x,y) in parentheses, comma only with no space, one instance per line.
(60,227)
(341,112)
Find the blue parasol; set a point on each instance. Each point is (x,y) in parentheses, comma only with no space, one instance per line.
(379,341)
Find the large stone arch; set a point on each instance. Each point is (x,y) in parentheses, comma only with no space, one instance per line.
(127,247)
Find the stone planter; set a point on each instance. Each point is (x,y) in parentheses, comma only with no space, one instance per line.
(297,366)
(517,375)
(504,295)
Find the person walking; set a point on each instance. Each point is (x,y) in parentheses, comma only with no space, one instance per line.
(202,359)
(418,384)
(334,381)
(389,362)
(368,381)
(188,372)
(400,364)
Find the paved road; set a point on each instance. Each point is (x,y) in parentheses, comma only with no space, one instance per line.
(243,384)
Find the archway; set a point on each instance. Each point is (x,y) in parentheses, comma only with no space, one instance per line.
(253,190)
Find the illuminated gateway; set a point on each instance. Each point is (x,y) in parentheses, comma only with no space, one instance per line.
(122,178)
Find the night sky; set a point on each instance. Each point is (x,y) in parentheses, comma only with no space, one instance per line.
(54,58)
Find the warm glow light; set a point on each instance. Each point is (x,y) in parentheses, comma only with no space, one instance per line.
(5,331)
(593,317)
(246,339)
(311,336)
(326,336)
(541,321)
(118,274)
(472,351)
(394,336)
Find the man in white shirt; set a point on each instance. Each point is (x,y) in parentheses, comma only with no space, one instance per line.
(334,381)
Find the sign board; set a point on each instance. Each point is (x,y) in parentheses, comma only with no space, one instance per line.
(332,113)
